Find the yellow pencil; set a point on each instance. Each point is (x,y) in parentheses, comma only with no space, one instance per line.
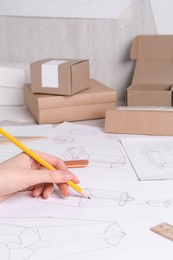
(39,159)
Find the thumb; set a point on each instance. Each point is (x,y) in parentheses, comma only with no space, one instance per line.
(51,176)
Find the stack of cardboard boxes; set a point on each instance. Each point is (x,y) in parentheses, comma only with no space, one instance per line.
(61,90)
(151,88)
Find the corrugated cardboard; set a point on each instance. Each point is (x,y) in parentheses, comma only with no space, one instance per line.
(139,121)
(67,78)
(88,104)
(150,95)
(153,74)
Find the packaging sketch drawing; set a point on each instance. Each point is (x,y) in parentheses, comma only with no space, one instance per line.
(152,158)
(123,207)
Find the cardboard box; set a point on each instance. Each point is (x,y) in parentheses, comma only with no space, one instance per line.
(59,77)
(139,121)
(153,74)
(88,104)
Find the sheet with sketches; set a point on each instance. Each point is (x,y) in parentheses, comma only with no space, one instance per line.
(115,222)
(107,158)
(152,158)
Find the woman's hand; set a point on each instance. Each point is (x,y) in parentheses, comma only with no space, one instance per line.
(24,173)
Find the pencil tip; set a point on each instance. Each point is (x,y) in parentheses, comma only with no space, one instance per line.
(85,195)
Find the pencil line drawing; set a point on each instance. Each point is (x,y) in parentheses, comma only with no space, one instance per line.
(62,139)
(49,238)
(98,157)
(83,131)
(160,156)
(100,198)
(161,203)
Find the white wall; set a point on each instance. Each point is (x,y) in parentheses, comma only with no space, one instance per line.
(105,42)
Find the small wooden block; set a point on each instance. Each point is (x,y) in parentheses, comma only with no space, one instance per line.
(164,229)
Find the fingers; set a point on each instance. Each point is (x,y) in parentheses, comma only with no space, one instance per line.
(64,189)
(38,190)
(48,190)
(45,176)
(49,178)
(57,163)
(43,190)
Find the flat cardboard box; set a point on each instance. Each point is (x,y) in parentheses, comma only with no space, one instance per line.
(59,77)
(88,104)
(125,120)
(153,73)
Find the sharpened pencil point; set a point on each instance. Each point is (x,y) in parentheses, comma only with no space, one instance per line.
(85,195)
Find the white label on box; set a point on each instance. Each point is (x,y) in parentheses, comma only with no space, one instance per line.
(49,73)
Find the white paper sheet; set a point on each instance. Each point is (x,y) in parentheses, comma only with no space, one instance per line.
(92,229)
(116,221)
(152,158)
(107,158)
(109,9)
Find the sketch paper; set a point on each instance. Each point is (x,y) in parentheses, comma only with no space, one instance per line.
(162,12)
(98,9)
(55,238)
(107,158)
(118,218)
(152,158)
(50,230)
(109,201)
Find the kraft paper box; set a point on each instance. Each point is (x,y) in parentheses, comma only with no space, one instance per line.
(88,104)
(126,120)
(153,74)
(59,77)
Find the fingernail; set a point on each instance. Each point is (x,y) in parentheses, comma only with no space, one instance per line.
(66,176)
(36,194)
